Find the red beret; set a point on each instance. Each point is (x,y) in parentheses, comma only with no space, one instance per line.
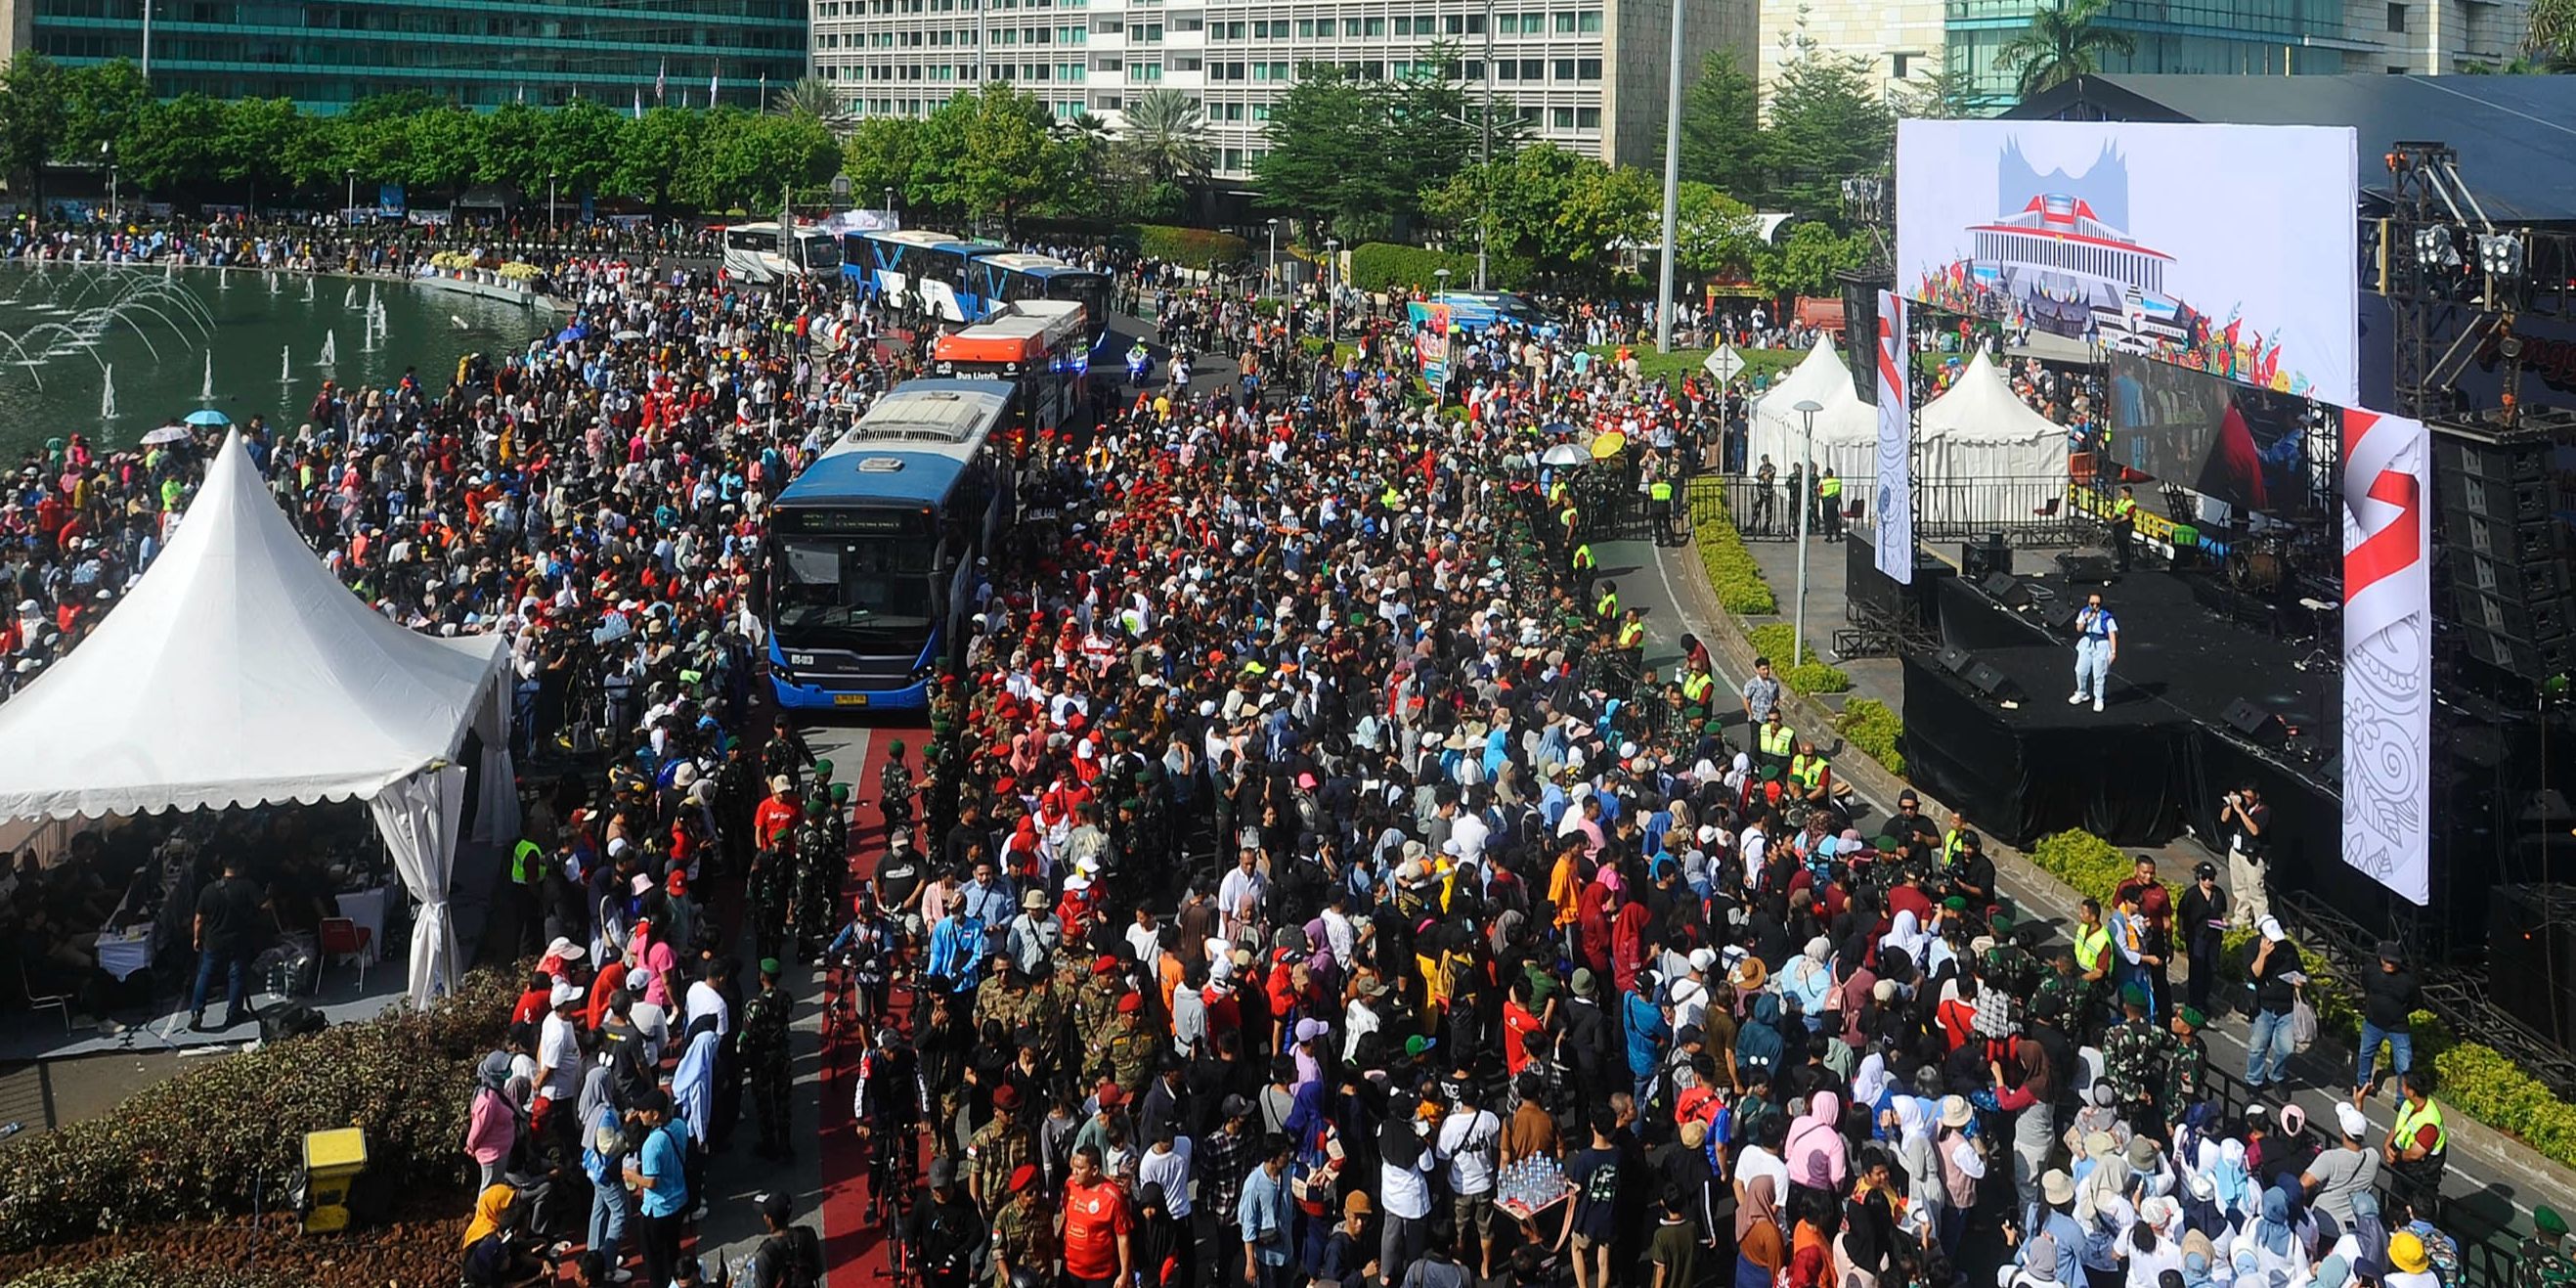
(1131,1003)
(1024,1175)
(1104,965)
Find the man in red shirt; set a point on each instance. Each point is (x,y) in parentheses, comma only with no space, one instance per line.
(1097,1225)
(777,815)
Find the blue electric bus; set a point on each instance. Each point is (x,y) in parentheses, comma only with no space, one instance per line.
(1008,277)
(925,271)
(872,549)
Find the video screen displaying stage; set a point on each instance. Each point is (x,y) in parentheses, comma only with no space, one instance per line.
(2231,442)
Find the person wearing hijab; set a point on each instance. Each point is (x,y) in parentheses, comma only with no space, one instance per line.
(2038,1267)
(1760,1253)
(2364,1244)
(2274,1238)
(1807,980)
(2236,1195)
(1162,1244)
(2200,1264)
(492,1124)
(1815,1151)
(2154,1243)
(1925,1197)
(492,1259)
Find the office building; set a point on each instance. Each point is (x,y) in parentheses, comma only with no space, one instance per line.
(1586,74)
(330,54)
(1907,40)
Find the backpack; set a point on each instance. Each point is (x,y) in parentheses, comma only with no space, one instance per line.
(798,1257)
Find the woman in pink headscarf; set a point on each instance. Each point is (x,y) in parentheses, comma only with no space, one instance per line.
(1815,1151)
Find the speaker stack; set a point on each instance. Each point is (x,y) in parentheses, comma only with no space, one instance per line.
(2502,551)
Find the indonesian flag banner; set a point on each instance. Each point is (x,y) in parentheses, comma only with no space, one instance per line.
(1894,550)
(2388,650)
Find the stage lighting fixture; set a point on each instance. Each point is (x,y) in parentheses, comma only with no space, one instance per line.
(2500,254)
(2433,246)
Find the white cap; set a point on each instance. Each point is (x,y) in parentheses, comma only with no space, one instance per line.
(2272,930)
(2354,1123)
(565,994)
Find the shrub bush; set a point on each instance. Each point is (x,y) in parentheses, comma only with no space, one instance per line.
(146,1270)
(2093,866)
(1190,247)
(1389,266)
(215,1138)
(1774,640)
(1869,725)
(1732,572)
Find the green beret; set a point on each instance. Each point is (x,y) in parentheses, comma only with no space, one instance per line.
(769,966)
(2191,1015)
(840,792)
(2548,1222)
(2001,923)
(1956,903)
(2133,995)
(822,769)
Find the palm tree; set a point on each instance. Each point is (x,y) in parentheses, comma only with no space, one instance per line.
(2064,42)
(1166,136)
(815,97)
(2549,36)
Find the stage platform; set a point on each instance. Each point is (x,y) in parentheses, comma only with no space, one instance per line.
(2162,755)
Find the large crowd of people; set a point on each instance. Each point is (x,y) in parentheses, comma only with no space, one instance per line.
(1306,881)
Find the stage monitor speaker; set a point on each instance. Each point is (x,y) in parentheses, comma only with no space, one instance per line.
(2263,727)
(2531,956)
(2524,575)
(1986,679)
(1985,556)
(1955,660)
(2005,589)
(2082,567)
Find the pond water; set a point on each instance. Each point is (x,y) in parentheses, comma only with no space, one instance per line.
(114,350)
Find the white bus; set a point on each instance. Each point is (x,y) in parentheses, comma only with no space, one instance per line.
(753,252)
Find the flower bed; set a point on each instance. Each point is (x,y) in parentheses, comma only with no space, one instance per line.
(225,1138)
(1868,724)
(1776,640)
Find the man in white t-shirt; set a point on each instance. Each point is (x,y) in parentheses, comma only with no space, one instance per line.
(706,997)
(559,1068)
(1468,1139)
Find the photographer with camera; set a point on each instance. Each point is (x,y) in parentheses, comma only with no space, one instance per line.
(2246,822)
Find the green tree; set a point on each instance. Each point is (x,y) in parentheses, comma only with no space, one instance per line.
(34,118)
(253,138)
(1828,124)
(1805,262)
(815,97)
(1721,128)
(1166,137)
(446,147)
(166,152)
(1563,211)
(655,153)
(1714,233)
(103,102)
(513,151)
(989,153)
(1328,161)
(579,144)
(2064,41)
(1949,94)
(881,153)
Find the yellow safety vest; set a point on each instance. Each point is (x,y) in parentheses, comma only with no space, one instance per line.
(1660,491)
(1630,633)
(2122,509)
(1776,740)
(1607,605)
(527,860)
(1391,498)
(1583,555)
(2408,1120)
(2090,945)
(1808,770)
(1950,847)
(1695,686)
(1556,493)
(1830,487)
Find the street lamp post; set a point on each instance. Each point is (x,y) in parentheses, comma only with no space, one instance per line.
(551,176)
(889,201)
(1806,409)
(349,210)
(1332,298)
(1485,148)
(1270,270)
(1673,192)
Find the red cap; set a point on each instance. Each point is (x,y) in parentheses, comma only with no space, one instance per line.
(1131,1003)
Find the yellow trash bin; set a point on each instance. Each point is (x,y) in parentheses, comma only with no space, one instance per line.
(332,1161)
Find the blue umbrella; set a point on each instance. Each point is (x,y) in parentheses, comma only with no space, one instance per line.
(208,416)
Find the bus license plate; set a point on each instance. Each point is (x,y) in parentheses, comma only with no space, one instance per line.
(849,699)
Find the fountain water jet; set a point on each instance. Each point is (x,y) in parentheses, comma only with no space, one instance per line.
(330,349)
(107,395)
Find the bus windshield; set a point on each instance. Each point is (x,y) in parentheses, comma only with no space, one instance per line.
(822,251)
(866,591)
(1091,291)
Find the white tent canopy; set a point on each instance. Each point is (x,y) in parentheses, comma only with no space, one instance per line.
(1846,428)
(1980,429)
(240,672)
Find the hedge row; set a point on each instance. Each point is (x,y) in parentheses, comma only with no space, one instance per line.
(1775,640)
(1731,570)
(1189,247)
(1868,724)
(2475,1079)
(1389,266)
(214,1139)
(148,1270)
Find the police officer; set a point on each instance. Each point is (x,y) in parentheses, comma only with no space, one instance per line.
(2124,524)
(1659,507)
(764,1059)
(1829,504)
(1773,742)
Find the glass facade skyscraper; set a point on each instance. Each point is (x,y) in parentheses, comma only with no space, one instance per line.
(476,53)
(2223,37)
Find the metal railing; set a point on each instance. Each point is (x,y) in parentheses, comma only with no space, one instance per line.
(2029,510)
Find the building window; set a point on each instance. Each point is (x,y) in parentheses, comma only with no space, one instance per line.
(1188,22)
(1144,73)
(1233,158)
(1561,118)
(1453,24)
(1305,29)
(1109,26)
(1350,26)
(1150,33)
(1184,63)
(1587,69)
(2397,18)
(1475,70)
(1590,22)
(1587,118)
(1505,69)
(1108,64)
(1374,27)
(1260,112)
(1404,25)
(1565,24)
(1897,65)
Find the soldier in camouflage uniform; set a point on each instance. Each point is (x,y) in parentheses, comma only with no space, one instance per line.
(2135,1056)
(773,875)
(1131,1049)
(998,1149)
(1095,1007)
(764,1059)
(2186,1064)
(1004,996)
(2543,1260)
(1023,1235)
(819,870)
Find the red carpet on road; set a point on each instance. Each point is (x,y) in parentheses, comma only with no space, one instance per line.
(854,1255)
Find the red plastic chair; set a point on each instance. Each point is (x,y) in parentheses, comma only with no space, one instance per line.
(343,938)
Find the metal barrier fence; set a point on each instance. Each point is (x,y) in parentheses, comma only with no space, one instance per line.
(2030,510)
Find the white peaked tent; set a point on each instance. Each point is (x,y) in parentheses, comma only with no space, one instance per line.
(240,672)
(1846,429)
(1979,429)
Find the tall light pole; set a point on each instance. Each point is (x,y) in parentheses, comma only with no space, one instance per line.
(349,211)
(1806,409)
(1485,147)
(146,69)
(1270,271)
(551,176)
(1332,299)
(1672,203)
